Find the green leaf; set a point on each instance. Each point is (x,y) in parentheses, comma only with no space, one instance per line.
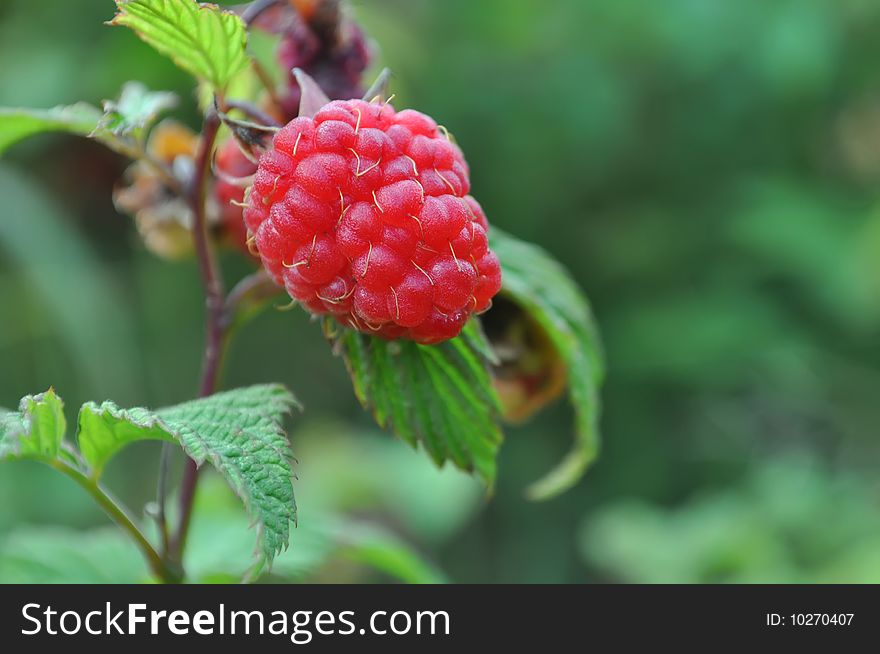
(129,116)
(380,549)
(440,396)
(104,429)
(36,430)
(239,432)
(44,555)
(134,111)
(545,290)
(18,124)
(219,549)
(428,504)
(202,39)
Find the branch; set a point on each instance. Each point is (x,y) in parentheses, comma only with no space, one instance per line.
(215,333)
(253,112)
(248,297)
(162,498)
(160,567)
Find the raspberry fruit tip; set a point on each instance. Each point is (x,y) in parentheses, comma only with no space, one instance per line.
(363,213)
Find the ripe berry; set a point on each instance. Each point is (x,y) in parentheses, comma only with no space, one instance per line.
(363,213)
(317,38)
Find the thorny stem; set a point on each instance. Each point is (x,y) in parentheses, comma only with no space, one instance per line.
(159,566)
(215,332)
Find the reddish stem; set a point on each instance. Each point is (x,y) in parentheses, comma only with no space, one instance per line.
(215,331)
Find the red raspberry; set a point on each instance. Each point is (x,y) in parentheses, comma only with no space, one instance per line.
(363,213)
(333,50)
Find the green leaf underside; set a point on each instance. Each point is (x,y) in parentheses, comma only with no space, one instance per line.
(544,289)
(35,431)
(18,124)
(239,432)
(202,39)
(439,396)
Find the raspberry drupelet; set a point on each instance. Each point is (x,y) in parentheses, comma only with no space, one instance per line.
(363,213)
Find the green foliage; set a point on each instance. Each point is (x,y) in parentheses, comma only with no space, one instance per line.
(202,39)
(58,555)
(135,110)
(51,271)
(442,396)
(376,547)
(791,520)
(220,550)
(122,124)
(17,124)
(36,430)
(429,504)
(546,291)
(103,430)
(239,432)
(439,396)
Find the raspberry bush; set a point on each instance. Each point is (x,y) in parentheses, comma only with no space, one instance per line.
(364,216)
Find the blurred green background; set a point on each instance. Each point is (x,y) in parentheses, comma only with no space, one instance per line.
(707,169)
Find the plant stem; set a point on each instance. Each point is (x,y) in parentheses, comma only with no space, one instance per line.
(248,297)
(211,279)
(253,112)
(215,332)
(162,497)
(112,507)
